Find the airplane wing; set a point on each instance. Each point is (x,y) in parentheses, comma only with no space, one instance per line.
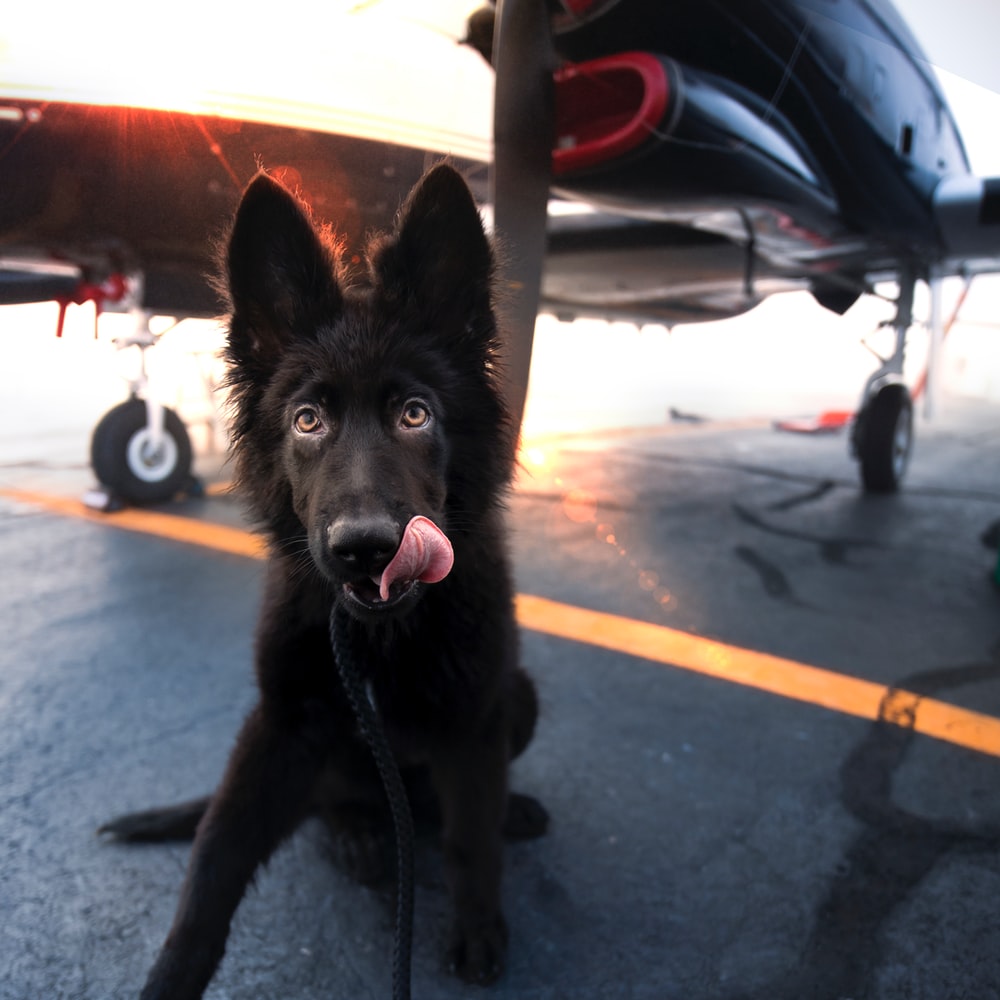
(126,158)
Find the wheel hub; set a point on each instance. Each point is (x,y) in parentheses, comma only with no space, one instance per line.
(148,460)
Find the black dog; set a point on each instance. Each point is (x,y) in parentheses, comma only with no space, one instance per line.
(373,446)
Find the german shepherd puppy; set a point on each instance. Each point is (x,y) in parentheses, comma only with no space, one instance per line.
(373,446)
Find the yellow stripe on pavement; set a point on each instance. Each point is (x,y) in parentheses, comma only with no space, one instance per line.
(179,529)
(656,643)
(786,678)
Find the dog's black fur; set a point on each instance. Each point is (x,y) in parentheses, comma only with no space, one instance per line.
(356,408)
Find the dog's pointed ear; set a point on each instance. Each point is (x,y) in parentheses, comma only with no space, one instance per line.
(439,253)
(280,273)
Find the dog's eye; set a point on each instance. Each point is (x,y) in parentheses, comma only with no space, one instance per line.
(415,415)
(307,421)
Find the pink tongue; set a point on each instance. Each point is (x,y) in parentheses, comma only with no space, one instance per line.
(424,554)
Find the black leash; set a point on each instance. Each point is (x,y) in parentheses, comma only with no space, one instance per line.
(375,737)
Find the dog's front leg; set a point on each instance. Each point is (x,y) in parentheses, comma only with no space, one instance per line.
(264,795)
(471,781)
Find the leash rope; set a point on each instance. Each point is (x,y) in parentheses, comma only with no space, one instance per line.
(374,734)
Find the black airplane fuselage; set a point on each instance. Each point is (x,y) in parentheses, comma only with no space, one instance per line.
(812,133)
(847,79)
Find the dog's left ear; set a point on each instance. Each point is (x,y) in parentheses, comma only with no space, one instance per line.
(439,253)
(281,274)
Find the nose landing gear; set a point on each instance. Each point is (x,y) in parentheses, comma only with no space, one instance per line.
(135,461)
(140,450)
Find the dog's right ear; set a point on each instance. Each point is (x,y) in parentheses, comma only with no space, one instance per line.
(281,275)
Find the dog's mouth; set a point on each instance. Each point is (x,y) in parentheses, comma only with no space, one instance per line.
(367,594)
(424,556)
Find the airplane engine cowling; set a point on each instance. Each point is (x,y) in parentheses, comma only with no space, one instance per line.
(639,133)
(967,209)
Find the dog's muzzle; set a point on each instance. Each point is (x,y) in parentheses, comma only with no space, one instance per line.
(383,570)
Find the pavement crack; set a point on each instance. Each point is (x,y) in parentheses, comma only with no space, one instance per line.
(991,536)
(832,549)
(894,852)
(817,493)
(773,579)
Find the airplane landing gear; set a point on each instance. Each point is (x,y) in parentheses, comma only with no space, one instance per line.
(140,450)
(136,463)
(884,428)
(883,438)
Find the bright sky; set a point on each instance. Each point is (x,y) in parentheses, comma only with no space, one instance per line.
(959,38)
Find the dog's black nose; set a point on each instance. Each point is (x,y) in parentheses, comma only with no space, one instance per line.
(363,546)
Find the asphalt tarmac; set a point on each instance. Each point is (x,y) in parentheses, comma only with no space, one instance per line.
(770,740)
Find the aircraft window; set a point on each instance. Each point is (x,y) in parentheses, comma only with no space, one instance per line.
(906,140)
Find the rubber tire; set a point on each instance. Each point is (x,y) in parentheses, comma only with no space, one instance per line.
(886,439)
(113,447)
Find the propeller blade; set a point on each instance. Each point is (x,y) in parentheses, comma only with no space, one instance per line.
(523,129)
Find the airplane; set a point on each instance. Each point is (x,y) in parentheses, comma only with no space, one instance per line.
(696,157)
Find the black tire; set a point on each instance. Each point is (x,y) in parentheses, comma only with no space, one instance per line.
(885,439)
(122,461)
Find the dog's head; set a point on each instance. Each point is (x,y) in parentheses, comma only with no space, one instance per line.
(368,419)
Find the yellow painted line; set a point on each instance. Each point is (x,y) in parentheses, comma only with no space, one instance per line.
(148,522)
(774,674)
(656,643)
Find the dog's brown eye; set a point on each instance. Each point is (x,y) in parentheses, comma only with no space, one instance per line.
(307,421)
(415,415)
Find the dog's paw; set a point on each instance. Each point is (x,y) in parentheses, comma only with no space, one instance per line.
(365,857)
(360,845)
(178,822)
(476,953)
(526,818)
